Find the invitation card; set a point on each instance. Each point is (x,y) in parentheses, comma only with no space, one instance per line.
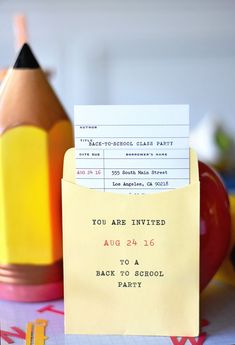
(130,195)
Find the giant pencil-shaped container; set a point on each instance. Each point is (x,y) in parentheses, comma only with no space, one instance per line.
(35,132)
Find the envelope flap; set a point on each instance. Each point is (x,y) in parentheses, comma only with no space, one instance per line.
(69,173)
(69,170)
(194,173)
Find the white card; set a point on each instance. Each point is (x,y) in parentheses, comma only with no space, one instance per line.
(132,149)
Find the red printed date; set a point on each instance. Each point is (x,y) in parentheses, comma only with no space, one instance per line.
(88,172)
(129,243)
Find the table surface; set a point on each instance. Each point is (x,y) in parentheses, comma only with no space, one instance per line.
(217,319)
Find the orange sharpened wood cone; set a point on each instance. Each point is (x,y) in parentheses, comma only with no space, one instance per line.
(35,132)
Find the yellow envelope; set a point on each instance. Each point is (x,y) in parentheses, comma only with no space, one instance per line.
(124,278)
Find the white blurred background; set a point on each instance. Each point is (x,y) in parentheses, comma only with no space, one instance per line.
(132,51)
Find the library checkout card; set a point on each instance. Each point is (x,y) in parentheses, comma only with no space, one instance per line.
(132,149)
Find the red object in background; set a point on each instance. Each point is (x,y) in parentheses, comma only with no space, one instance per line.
(215,223)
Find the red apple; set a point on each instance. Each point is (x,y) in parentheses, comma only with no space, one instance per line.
(215,223)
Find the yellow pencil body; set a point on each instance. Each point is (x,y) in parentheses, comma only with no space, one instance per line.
(35,132)
(30,170)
